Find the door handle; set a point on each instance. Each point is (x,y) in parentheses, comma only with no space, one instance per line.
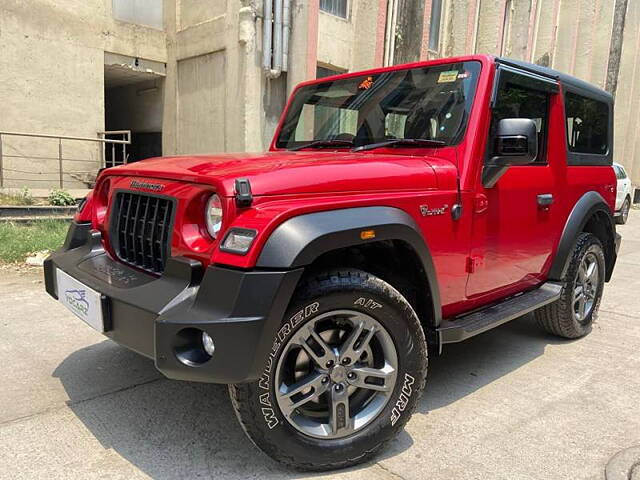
(545,200)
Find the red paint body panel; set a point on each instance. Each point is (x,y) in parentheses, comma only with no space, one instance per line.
(288,173)
(510,240)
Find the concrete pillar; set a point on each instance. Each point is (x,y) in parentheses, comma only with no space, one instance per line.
(169,120)
(409,31)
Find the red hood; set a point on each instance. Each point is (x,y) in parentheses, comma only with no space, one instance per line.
(279,173)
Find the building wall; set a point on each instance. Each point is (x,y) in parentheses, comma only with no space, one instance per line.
(216,97)
(214,86)
(349,44)
(627,141)
(573,36)
(52,81)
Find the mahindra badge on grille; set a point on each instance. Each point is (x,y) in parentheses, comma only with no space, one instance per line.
(141,185)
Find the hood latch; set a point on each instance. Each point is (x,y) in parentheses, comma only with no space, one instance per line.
(244,197)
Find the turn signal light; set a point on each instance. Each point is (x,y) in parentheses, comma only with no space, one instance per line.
(367,234)
(238,240)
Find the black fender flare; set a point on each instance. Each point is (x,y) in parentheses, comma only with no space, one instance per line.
(589,204)
(298,241)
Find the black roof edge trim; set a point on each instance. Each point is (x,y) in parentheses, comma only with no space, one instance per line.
(578,85)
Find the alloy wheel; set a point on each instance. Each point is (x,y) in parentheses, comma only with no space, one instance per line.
(586,287)
(336,374)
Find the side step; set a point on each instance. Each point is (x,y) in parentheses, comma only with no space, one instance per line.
(467,326)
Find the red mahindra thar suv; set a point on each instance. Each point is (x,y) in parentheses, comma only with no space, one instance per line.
(397,210)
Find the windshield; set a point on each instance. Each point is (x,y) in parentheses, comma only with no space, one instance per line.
(426,103)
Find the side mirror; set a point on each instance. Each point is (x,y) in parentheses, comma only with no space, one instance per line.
(516,143)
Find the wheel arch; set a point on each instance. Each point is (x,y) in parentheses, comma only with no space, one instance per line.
(321,239)
(590,214)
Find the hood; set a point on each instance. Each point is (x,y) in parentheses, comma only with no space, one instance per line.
(281,173)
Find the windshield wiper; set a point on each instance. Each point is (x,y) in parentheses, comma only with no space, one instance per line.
(324,143)
(409,142)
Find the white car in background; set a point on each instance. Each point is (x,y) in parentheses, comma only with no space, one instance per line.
(623,197)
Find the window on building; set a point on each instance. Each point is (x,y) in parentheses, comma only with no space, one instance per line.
(515,101)
(334,7)
(322,72)
(143,12)
(434,25)
(587,124)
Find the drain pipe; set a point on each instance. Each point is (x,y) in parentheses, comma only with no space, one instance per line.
(390,32)
(267,35)
(286,32)
(277,39)
(276,29)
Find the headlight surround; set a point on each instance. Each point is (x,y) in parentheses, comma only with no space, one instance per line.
(83,212)
(238,240)
(213,215)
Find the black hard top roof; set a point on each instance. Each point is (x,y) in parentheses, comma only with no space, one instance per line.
(572,82)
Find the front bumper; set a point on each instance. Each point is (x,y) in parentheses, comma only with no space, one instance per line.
(240,310)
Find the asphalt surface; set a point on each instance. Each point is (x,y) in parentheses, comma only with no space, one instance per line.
(513,403)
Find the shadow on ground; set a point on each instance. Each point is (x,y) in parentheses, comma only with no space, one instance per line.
(170,429)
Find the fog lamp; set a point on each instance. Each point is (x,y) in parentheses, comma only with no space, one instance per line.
(238,240)
(207,344)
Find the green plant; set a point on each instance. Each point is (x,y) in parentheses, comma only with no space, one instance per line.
(26,196)
(22,197)
(19,240)
(61,198)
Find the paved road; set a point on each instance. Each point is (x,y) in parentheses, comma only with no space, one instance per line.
(511,404)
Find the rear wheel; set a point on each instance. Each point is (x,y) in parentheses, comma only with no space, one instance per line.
(572,316)
(347,367)
(624,212)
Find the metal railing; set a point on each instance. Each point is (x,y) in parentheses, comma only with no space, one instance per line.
(112,159)
(102,140)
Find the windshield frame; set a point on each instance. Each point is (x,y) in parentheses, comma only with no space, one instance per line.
(280,144)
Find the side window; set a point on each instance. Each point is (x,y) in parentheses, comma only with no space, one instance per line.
(587,124)
(320,121)
(618,171)
(623,173)
(515,101)
(394,125)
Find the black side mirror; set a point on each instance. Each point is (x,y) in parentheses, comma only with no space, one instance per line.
(516,143)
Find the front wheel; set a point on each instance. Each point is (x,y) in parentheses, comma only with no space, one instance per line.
(347,366)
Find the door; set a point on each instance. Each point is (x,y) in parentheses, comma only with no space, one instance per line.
(516,221)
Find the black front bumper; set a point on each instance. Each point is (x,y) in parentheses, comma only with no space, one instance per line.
(240,310)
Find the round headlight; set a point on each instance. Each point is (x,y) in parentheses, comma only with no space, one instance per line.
(213,215)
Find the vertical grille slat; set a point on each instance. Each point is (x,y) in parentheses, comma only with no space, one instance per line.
(152,239)
(140,227)
(163,234)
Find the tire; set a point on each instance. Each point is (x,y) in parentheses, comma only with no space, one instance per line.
(308,439)
(574,313)
(624,212)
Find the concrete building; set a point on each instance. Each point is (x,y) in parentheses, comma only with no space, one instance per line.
(188,76)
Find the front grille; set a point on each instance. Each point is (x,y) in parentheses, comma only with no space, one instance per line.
(141,230)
